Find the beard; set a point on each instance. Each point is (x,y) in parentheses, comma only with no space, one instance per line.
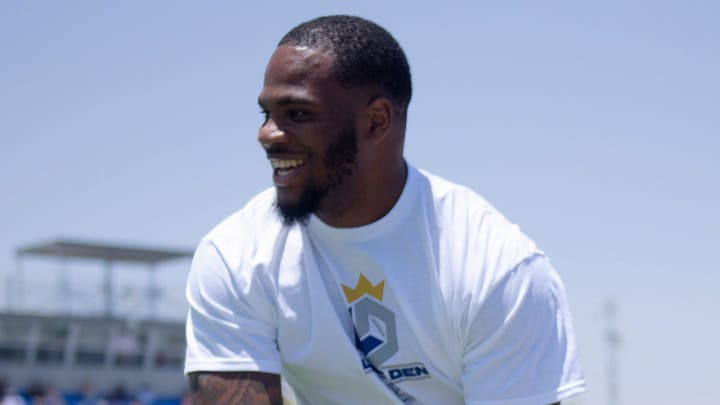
(340,158)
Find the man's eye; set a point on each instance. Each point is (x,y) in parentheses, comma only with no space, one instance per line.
(298,115)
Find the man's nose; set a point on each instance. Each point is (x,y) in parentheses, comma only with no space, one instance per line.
(270,134)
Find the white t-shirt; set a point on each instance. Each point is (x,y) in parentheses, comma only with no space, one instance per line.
(442,301)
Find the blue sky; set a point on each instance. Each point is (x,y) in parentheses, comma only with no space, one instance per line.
(593,125)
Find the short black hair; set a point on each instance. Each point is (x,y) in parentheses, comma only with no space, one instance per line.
(365,54)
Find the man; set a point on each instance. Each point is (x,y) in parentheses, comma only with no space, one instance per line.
(359,278)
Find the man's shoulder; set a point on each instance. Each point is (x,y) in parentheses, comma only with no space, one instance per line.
(452,197)
(475,233)
(256,217)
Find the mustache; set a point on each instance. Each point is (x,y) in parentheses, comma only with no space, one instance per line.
(281,150)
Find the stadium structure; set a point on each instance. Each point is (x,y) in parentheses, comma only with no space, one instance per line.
(101,345)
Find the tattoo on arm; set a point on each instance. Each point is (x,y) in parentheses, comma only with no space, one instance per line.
(242,388)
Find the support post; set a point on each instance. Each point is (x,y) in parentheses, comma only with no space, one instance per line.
(613,342)
(109,290)
(152,291)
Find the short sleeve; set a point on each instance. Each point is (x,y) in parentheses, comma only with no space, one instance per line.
(231,320)
(520,347)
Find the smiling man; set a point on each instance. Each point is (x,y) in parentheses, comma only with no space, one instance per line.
(358,278)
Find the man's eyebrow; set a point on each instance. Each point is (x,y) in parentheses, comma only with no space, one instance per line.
(283,101)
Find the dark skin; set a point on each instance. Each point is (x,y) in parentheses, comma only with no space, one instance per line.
(305,110)
(235,388)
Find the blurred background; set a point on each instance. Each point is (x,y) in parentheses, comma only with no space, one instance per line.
(131,125)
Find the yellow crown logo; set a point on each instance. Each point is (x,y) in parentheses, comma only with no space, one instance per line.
(363,287)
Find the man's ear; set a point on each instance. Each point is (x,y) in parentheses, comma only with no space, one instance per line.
(379,117)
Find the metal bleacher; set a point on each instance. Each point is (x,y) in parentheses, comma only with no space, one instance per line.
(66,350)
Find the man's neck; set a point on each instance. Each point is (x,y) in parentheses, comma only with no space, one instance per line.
(370,201)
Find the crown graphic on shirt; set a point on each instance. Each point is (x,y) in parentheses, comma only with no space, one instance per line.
(363,287)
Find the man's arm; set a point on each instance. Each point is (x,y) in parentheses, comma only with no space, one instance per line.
(237,388)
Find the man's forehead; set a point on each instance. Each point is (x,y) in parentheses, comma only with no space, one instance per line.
(297,75)
(298,62)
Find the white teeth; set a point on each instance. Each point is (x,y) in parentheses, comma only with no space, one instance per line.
(285,164)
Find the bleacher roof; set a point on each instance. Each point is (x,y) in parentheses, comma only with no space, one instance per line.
(64,248)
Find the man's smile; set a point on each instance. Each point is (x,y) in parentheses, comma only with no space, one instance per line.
(285,169)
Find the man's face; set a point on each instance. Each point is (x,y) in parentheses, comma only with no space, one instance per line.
(309,131)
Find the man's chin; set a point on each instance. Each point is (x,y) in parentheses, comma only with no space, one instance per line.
(292,217)
(297,209)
